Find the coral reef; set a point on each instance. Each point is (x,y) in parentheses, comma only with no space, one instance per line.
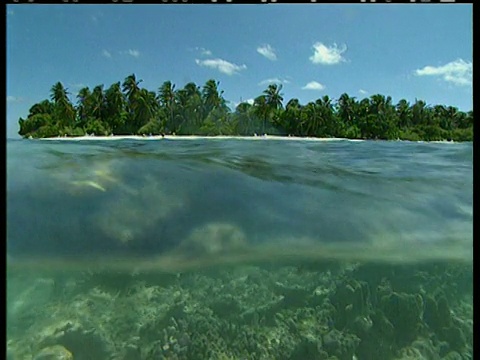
(338,312)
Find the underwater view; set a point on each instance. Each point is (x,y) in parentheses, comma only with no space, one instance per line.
(239,248)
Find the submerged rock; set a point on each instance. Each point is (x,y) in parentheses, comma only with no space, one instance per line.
(85,344)
(352,300)
(437,312)
(339,344)
(309,349)
(453,356)
(405,312)
(439,317)
(55,352)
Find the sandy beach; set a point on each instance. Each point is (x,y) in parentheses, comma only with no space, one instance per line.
(222,137)
(195,137)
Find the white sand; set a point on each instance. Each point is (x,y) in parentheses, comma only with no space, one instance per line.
(195,137)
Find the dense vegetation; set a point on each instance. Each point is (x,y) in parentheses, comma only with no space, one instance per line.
(126,108)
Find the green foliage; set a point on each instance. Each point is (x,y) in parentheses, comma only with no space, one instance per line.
(33,123)
(44,107)
(96,127)
(126,108)
(410,134)
(462,134)
(217,123)
(352,132)
(77,131)
(47,131)
(153,127)
(209,128)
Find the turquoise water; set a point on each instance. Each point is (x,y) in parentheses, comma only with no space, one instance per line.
(145,199)
(313,249)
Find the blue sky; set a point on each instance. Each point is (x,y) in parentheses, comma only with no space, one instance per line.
(402,50)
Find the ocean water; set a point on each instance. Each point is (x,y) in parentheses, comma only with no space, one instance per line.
(192,248)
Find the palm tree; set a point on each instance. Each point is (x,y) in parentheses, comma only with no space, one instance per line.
(346,108)
(464,120)
(327,122)
(420,113)
(83,97)
(44,107)
(211,97)
(193,112)
(242,118)
(363,113)
(261,109)
(115,107)
(383,120)
(97,102)
(181,101)
(467,120)
(145,108)
(451,119)
(58,93)
(63,109)
(192,89)
(291,117)
(273,102)
(126,108)
(404,113)
(130,86)
(346,111)
(311,120)
(273,97)
(166,95)
(131,89)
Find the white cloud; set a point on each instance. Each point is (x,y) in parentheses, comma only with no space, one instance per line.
(363,92)
(134,53)
(13,99)
(325,55)
(221,65)
(313,85)
(274,81)
(131,52)
(458,72)
(203,51)
(267,51)
(249,101)
(106,53)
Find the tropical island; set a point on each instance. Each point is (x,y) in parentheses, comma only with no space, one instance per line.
(128,109)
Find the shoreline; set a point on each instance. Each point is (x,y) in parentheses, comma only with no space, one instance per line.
(193,137)
(221,137)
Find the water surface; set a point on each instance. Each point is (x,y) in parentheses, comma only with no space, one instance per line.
(239,249)
(238,200)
